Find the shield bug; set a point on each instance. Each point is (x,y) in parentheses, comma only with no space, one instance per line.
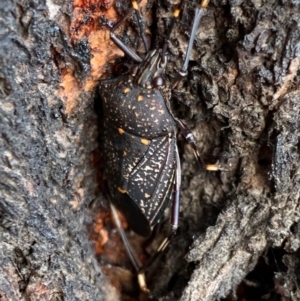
(142,164)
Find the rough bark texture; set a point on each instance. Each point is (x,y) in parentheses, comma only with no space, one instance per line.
(48,136)
(242,100)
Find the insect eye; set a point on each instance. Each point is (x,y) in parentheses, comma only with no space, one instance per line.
(158,82)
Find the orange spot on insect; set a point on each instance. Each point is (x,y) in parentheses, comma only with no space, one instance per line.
(122,190)
(176,13)
(140,98)
(145,141)
(121,131)
(126,90)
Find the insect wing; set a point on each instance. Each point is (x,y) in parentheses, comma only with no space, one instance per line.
(122,153)
(151,182)
(140,175)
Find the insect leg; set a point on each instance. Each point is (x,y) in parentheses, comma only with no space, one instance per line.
(174,215)
(129,250)
(175,204)
(119,43)
(129,52)
(190,138)
(176,201)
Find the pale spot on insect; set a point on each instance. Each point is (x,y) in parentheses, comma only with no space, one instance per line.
(152,108)
(126,90)
(147,196)
(140,98)
(147,168)
(122,190)
(121,131)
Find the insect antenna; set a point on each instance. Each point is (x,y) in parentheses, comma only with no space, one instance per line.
(199,11)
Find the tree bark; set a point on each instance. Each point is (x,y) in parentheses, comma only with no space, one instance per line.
(240,98)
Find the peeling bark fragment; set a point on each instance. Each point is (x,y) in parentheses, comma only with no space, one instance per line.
(229,250)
